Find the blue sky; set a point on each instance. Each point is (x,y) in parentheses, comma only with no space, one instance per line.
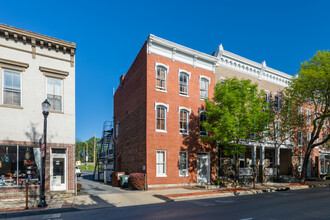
(109,34)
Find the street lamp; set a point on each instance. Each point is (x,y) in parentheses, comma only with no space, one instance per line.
(45,111)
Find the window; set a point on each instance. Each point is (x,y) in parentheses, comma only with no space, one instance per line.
(309,137)
(161,110)
(287,135)
(323,138)
(300,162)
(309,116)
(21,160)
(54,93)
(183,163)
(277,102)
(204,87)
(183,81)
(266,98)
(300,139)
(161,75)
(300,111)
(277,130)
(184,116)
(202,118)
(11,88)
(117,129)
(161,163)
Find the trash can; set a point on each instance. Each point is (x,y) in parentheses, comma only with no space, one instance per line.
(124,181)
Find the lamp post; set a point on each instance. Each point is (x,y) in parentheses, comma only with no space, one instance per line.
(45,111)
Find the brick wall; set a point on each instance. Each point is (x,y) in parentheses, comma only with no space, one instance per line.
(173,141)
(130,112)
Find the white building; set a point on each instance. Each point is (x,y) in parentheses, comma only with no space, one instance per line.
(33,68)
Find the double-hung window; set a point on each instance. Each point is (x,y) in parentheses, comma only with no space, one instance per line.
(161,163)
(323,138)
(55,93)
(184,118)
(309,116)
(277,102)
(300,138)
(12,88)
(184,82)
(161,76)
(161,111)
(204,87)
(183,163)
(202,118)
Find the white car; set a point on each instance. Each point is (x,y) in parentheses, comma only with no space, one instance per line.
(78,171)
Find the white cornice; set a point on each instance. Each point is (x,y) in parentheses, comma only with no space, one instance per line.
(244,65)
(180,53)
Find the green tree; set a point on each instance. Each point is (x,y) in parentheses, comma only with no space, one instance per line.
(237,112)
(81,149)
(310,88)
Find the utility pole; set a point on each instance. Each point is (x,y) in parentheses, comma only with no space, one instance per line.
(94,147)
(86,154)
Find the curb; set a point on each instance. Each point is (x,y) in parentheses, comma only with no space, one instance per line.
(36,212)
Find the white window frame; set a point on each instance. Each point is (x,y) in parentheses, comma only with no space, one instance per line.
(302,139)
(181,71)
(166,106)
(202,78)
(199,116)
(164,162)
(300,110)
(117,129)
(180,170)
(167,70)
(324,145)
(3,87)
(278,104)
(188,110)
(309,116)
(62,93)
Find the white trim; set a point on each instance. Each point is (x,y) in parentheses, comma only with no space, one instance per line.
(165,162)
(167,70)
(3,86)
(162,104)
(204,77)
(184,108)
(183,71)
(199,121)
(62,92)
(176,52)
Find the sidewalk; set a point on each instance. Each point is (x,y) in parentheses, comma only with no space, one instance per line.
(135,198)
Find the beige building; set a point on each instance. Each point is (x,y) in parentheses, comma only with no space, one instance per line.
(263,154)
(33,68)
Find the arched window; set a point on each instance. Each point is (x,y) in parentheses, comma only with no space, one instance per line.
(161,110)
(161,76)
(184,82)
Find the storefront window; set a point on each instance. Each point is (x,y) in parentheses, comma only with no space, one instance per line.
(25,160)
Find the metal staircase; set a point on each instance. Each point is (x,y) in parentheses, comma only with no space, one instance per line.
(105,150)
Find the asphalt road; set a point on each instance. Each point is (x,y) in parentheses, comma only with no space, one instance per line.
(92,187)
(299,204)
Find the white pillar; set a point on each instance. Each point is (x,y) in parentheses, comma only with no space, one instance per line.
(277,156)
(254,155)
(262,155)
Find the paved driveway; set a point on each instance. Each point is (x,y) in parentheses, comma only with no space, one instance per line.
(90,187)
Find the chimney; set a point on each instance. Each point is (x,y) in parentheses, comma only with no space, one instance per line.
(122,77)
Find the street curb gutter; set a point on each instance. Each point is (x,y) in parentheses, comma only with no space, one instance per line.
(36,212)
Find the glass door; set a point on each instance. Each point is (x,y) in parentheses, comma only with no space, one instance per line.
(58,172)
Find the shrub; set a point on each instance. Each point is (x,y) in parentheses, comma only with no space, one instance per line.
(136,181)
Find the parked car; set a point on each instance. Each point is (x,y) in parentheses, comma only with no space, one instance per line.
(78,171)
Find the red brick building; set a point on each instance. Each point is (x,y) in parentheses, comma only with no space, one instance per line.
(157,108)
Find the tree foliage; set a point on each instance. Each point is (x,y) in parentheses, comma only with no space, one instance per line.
(81,149)
(310,88)
(237,112)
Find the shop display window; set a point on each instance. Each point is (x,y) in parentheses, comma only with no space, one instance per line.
(19,164)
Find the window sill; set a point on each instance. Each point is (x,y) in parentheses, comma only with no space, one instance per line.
(203,99)
(161,175)
(184,133)
(161,131)
(57,112)
(184,95)
(12,106)
(159,90)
